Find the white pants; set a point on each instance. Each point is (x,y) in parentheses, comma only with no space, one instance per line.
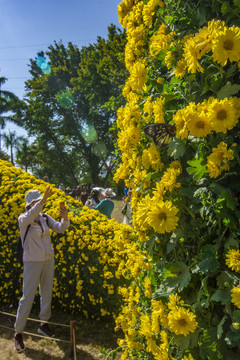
(35,273)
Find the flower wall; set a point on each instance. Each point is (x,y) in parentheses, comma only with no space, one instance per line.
(92,258)
(183,59)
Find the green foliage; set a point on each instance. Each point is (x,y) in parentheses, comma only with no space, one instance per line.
(82,90)
(189,261)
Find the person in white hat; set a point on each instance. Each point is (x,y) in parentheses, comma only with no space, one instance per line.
(38,261)
(106,205)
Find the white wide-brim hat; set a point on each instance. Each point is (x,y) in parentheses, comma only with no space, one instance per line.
(100,189)
(32,195)
(108,192)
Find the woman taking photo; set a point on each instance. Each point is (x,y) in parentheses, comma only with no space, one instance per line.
(38,261)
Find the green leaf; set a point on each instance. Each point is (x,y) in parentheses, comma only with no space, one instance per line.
(232,338)
(176,148)
(228,90)
(220,327)
(196,169)
(177,267)
(178,275)
(231,242)
(171,245)
(225,8)
(226,279)
(236,316)
(235,152)
(151,243)
(153,280)
(184,280)
(163,291)
(223,296)
(182,341)
(210,263)
(225,194)
(201,191)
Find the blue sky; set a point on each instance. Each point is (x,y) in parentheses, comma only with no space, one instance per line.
(29,26)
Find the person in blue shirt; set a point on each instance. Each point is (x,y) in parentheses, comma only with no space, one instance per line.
(125,191)
(106,205)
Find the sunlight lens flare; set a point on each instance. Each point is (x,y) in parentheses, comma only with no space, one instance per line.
(65,99)
(99,149)
(89,133)
(42,63)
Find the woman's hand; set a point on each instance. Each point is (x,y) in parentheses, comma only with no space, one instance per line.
(46,195)
(63,213)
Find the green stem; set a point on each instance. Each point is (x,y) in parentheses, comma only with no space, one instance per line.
(221,237)
(113,351)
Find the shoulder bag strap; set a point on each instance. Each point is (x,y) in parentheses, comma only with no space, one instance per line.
(46,217)
(26,233)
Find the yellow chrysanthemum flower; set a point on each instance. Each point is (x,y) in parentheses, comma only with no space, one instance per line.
(191,55)
(159,42)
(123,9)
(174,300)
(235,292)
(151,158)
(199,125)
(145,159)
(138,75)
(168,179)
(218,161)
(159,312)
(142,211)
(226,45)
(213,170)
(181,321)
(180,69)
(162,217)
(180,120)
(148,109)
(145,327)
(148,287)
(176,165)
(160,80)
(149,11)
(188,357)
(129,137)
(158,110)
(169,59)
(134,17)
(233,260)
(222,115)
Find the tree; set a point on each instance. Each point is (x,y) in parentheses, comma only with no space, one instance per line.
(68,109)
(12,141)
(4,156)
(7,100)
(24,154)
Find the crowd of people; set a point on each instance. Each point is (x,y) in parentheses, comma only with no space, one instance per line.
(100,199)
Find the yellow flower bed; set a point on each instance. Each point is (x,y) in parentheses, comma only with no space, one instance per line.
(92,258)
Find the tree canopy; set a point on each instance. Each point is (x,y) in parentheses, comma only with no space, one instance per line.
(70,106)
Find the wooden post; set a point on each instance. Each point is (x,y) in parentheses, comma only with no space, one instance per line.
(73,339)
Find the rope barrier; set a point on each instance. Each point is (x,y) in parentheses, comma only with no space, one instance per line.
(39,321)
(40,336)
(72,327)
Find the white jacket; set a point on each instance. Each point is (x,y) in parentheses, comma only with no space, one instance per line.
(37,244)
